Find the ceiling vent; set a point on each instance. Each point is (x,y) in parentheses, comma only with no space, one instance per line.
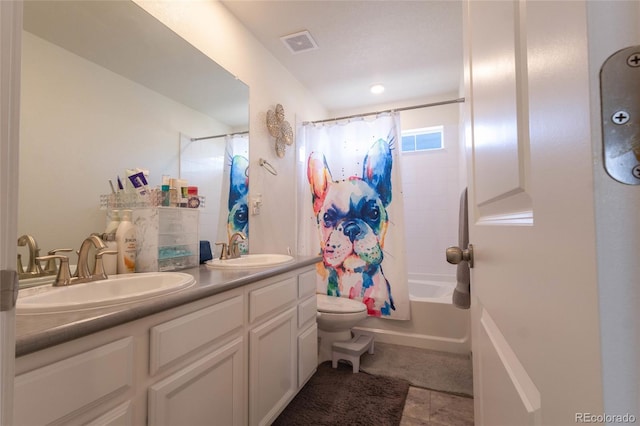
(299,42)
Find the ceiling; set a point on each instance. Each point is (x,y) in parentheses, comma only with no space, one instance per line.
(414,48)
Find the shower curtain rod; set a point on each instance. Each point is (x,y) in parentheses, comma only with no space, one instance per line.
(219,136)
(452,101)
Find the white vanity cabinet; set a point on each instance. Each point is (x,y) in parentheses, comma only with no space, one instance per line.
(282,343)
(234,358)
(207,346)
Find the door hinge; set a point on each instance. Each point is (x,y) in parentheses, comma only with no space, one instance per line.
(8,290)
(620,109)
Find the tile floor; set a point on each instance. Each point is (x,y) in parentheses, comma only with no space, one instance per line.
(430,408)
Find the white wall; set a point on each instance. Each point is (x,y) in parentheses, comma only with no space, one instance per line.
(431,192)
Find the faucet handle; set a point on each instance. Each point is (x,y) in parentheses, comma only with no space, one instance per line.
(63,277)
(224,253)
(50,267)
(98,269)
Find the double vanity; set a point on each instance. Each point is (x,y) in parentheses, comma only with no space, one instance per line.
(227,346)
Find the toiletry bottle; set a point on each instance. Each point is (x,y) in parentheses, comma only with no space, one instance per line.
(166,201)
(112,225)
(183,192)
(127,244)
(110,261)
(174,197)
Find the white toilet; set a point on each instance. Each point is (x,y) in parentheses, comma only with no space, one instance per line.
(336,316)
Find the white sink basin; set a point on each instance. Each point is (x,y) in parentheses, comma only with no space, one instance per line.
(250,261)
(117,290)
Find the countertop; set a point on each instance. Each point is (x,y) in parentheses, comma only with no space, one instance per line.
(37,332)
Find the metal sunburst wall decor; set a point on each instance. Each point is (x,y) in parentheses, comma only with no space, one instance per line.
(280,129)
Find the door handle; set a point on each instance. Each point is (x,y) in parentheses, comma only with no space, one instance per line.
(456,255)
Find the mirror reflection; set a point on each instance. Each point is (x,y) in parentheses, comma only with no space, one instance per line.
(223,159)
(106,87)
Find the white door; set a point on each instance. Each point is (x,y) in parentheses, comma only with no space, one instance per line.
(535,322)
(10,37)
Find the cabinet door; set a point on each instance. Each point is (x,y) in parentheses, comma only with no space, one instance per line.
(181,337)
(307,354)
(209,391)
(75,386)
(272,367)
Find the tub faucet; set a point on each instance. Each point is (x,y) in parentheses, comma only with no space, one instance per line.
(33,267)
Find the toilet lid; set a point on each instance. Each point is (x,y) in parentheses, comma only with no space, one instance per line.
(336,305)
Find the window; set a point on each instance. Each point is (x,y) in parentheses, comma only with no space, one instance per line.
(426,139)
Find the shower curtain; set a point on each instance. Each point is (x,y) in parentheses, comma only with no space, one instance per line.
(352,211)
(234,210)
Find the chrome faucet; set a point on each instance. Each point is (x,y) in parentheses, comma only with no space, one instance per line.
(33,267)
(231,250)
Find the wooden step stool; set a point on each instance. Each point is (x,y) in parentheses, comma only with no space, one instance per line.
(351,350)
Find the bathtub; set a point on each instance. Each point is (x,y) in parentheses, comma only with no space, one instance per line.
(431,291)
(435,323)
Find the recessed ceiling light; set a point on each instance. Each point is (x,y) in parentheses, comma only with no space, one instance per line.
(376,89)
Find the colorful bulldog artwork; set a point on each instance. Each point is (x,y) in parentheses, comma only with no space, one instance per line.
(352,221)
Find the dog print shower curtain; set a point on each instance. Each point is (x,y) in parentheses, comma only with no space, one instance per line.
(234,210)
(352,211)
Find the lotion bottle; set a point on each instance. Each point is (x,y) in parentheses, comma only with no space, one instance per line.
(127,244)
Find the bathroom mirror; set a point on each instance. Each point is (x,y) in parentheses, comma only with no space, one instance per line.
(107,87)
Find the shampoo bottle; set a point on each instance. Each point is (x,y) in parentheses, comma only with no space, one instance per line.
(127,244)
